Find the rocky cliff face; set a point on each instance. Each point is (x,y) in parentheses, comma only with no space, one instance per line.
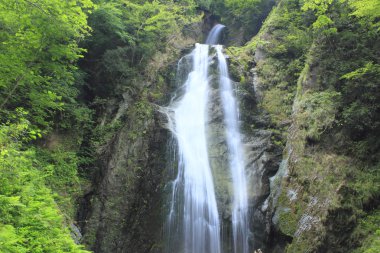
(311,195)
(126,204)
(263,157)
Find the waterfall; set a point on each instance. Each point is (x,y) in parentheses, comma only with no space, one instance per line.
(193,224)
(240,203)
(214,36)
(201,223)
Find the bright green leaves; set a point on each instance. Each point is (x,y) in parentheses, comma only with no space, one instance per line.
(323,24)
(39,48)
(9,241)
(30,221)
(368,227)
(322,21)
(374,243)
(318,6)
(368,69)
(34,134)
(349,61)
(366,8)
(152,22)
(39,44)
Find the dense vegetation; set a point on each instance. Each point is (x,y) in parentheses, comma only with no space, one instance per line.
(62,63)
(49,104)
(39,48)
(318,65)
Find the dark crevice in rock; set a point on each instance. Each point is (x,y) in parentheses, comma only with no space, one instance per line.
(277,241)
(84,208)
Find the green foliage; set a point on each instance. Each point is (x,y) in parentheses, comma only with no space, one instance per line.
(317,112)
(322,21)
(126,35)
(285,46)
(369,229)
(320,7)
(238,7)
(351,66)
(346,62)
(368,9)
(288,218)
(204,4)
(39,87)
(328,54)
(60,169)
(374,244)
(320,14)
(102,134)
(38,41)
(274,103)
(323,25)
(359,110)
(244,14)
(29,218)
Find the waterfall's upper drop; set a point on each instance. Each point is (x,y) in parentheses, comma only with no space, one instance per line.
(214,36)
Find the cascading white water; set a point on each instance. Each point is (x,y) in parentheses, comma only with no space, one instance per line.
(201,219)
(240,203)
(193,222)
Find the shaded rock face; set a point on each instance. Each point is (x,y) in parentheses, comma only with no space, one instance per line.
(263,160)
(125,207)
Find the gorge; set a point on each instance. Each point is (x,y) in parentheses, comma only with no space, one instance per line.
(120,132)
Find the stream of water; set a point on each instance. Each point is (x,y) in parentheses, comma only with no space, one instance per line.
(194,224)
